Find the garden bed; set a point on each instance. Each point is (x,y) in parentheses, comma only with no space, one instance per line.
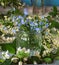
(35,38)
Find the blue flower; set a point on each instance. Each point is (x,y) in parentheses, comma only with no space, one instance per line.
(41,23)
(25,11)
(38,29)
(32,24)
(19,25)
(22,21)
(47,25)
(14,31)
(27,20)
(19,17)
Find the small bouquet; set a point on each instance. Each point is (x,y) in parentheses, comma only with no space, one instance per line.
(21,54)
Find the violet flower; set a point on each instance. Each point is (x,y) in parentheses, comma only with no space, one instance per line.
(25,11)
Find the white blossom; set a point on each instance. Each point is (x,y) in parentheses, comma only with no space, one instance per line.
(28,51)
(5,55)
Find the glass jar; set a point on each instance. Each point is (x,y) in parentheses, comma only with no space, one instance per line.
(32,41)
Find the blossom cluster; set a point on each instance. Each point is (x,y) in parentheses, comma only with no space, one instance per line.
(50,43)
(6,55)
(15,23)
(34,22)
(6,31)
(22,52)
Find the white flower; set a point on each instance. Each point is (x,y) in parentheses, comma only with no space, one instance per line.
(5,17)
(54,29)
(2,35)
(28,51)
(18,49)
(25,34)
(13,31)
(25,39)
(35,63)
(36,24)
(10,39)
(13,19)
(3,38)
(2,53)
(58,31)
(20,63)
(8,26)
(9,19)
(29,17)
(37,53)
(45,47)
(24,49)
(2,3)
(13,38)
(5,55)
(44,53)
(14,60)
(7,38)
(25,59)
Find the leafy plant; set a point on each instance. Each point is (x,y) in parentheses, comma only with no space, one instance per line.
(14,7)
(47,60)
(22,53)
(54,12)
(7,62)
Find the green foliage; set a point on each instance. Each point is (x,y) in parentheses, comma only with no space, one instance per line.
(57,58)
(5,3)
(11,47)
(8,23)
(32,59)
(1,33)
(54,24)
(22,54)
(33,41)
(54,12)
(48,60)
(8,47)
(1,61)
(7,62)
(15,8)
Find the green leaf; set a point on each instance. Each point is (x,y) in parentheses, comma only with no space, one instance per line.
(48,60)
(11,47)
(1,61)
(54,24)
(7,62)
(57,58)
